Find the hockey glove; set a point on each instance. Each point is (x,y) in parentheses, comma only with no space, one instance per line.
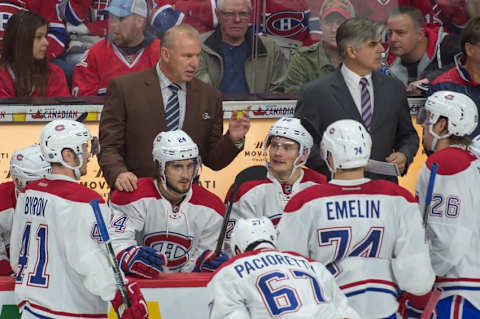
(209,261)
(138,306)
(141,261)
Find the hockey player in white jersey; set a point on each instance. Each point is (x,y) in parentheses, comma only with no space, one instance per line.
(168,224)
(452,217)
(26,165)
(475,146)
(61,268)
(368,232)
(286,148)
(263,282)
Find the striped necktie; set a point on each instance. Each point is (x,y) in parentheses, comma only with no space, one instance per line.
(172,111)
(366,104)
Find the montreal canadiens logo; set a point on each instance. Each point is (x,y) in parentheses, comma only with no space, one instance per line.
(19,157)
(59,127)
(175,246)
(287,23)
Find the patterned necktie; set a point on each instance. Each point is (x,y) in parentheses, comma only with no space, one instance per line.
(366,104)
(172,111)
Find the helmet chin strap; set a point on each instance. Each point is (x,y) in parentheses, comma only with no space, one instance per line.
(436,137)
(294,168)
(75,169)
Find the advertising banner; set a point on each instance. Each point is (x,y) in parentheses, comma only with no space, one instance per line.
(19,135)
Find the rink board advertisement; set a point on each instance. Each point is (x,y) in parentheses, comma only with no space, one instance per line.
(23,134)
(176,296)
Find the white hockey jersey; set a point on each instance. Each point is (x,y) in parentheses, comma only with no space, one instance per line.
(62,269)
(267,283)
(182,233)
(7,206)
(453,228)
(266,197)
(369,234)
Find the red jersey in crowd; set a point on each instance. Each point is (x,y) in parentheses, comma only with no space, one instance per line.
(56,86)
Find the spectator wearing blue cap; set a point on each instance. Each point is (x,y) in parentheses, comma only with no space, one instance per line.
(127,48)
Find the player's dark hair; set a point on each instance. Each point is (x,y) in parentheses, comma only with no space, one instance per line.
(17,53)
(471,33)
(254,245)
(414,14)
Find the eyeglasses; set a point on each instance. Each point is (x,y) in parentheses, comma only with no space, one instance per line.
(230,15)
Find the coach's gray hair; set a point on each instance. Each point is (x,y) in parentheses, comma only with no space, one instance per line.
(355,31)
(221,4)
(168,37)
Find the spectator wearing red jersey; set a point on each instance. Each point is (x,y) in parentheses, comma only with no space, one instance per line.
(24,66)
(464,77)
(128,48)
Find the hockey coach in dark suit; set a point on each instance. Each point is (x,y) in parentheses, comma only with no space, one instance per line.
(358,91)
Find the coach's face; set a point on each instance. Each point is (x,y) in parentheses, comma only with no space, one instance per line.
(181,60)
(368,57)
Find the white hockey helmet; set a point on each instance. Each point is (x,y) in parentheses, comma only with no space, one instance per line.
(460,110)
(28,164)
(174,146)
(349,144)
(293,129)
(475,146)
(250,231)
(66,134)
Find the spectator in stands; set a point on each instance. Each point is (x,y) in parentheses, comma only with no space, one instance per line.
(136,108)
(321,58)
(464,77)
(235,61)
(7,9)
(86,24)
(358,91)
(24,66)
(418,52)
(126,49)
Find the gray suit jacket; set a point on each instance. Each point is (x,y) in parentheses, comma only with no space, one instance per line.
(327,99)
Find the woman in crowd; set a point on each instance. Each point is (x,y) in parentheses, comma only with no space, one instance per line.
(24,68)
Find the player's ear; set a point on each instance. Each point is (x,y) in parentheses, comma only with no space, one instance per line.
(237,250)
(69,157)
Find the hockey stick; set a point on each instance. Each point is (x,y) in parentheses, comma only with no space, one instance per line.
(252,173)
(82,117)
(428,196)
(120,283)
(435,295)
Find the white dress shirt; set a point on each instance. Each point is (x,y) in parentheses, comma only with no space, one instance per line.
(353,83)
(166,92)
